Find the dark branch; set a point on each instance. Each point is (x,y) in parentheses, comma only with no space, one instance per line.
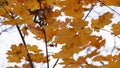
(110,8)
(90,11)
(46,48)
(5,30)
(28,54)
(55,63)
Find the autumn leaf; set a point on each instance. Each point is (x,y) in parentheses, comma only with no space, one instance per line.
(67,51)
(15,66)
(16,53)
(107,58)
(64,35)
(50,30)
(78,25)
(33,48)
(37,58)
(90,1)
(69,62)
(62,24)
(97,41)
(116,28)
(14,59)
(112,64)
(75,38)
(50,19)
(84,35)
(111,2)
(36,30)
(101,21)
(67,2)
(24,30)
(32,4)
(26,65)
(79,61)
(118,49)
(76,11)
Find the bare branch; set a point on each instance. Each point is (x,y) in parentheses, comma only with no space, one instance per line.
(110,8)
(6,29)
(28,54)
(55,63)
(90,11)
(46,48)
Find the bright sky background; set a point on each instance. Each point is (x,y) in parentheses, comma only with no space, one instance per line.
(12,37)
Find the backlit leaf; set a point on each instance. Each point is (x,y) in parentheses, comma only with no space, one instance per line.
(33,48)
(101,21)
(116,28)
(111,2)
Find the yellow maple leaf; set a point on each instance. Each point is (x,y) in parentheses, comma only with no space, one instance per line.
(116,28)
(76,11)
(15,66)
(90,1)
(97,41)
(101,21)
(14,59)
(84,35)
(64,35)
(111,2)
(115,64)
(24,30)
(51,2)
(69,63)
(50,18)
(107,58)
(37,31)
(118,48)
(3,12)
(33,48)
(26,65)
(37,58)
(18,51)
(32,4)
(62,24)
(79,25)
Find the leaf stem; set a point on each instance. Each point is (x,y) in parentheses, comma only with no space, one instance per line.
(46,48)
(23,40)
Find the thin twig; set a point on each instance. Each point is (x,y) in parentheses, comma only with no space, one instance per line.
(106,30)
(110,8)
(23,40)
(6,29)
(110,32)
(89,11)
(102,63)
(46,48)
(55,63)
(114,44)
(41,24)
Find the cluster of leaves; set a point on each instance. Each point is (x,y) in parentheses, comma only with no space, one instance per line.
(74,33)
(18,53)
